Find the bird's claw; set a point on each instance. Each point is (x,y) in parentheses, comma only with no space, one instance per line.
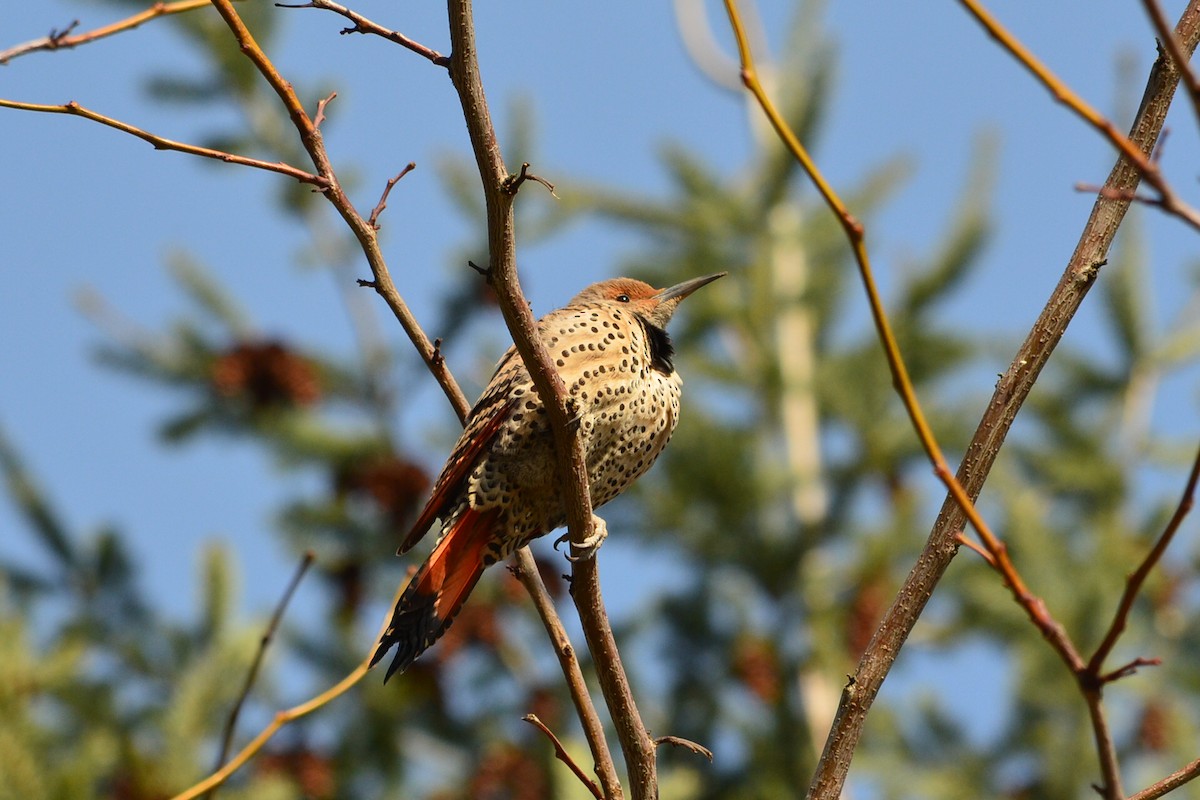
(589,546)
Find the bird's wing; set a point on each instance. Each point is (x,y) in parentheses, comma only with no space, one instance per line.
(485,421)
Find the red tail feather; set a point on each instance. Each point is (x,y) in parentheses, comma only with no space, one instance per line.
(438,590)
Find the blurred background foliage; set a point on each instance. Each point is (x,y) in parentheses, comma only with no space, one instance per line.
(791,503)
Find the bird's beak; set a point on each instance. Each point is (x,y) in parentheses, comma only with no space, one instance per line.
(682,290)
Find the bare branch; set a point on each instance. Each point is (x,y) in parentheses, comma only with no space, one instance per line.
(1129,669)
(512,183)
(310,137)
(1169,783)
(855,234)
(263,644)
(561,753)
(366,26)
(74,109)
(373,220)
(1106,748)
(1010,394)
(282,718)
(1125,195)
(63,40)
(970,544)
(1139,158)
(1034,607)
(525,569)
(636,744)
(321,104)
(687,744)
(1169,41)
(1134,582)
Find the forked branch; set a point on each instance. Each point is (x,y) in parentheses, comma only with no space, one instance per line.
(1169,200)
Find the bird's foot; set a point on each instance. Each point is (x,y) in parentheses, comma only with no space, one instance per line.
(574,415)
(589,546)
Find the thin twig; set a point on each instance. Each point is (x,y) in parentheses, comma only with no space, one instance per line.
(282,718)
(1124,195)
(1133,584)
(561,753)
(62,40)
(1126,670)
(366,26)
(1106,747)
(1171,202)
(263,644)
(687,744)
(74,109)
(373,220)
(310,137)
(512,183)
(526,571)
(636,743)
(321,104)
(855,233)
(970,544)
(1169,783)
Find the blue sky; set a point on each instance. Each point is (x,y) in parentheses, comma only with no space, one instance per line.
(85,206)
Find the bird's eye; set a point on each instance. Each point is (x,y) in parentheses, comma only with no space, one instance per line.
(622,298)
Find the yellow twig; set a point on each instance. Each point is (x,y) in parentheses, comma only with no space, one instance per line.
(288,715)
(61,40)
(855,233)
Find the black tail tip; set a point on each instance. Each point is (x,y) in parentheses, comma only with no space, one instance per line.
(415,626)
(393,668)
(400,662)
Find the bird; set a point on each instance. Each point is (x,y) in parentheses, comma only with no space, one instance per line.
(501,486)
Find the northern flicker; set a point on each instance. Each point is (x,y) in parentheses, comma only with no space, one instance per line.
(501,486)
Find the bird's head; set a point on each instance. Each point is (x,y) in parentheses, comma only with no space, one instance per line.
(655,306)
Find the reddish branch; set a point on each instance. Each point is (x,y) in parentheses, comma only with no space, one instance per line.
(562,755)
(373,220)
(366,26)
(1169,783)
(1133,584)
(1169,200)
